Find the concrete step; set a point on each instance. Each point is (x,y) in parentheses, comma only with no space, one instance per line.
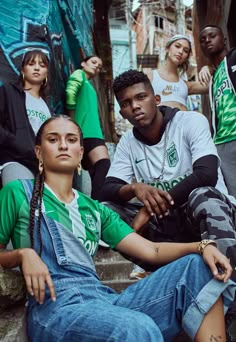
(13,324)
(114,270)
(107,254)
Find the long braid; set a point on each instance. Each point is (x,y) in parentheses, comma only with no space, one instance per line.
(40,199)
(37,195)
(36,204)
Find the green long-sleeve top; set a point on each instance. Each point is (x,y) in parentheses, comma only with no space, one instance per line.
(82,98)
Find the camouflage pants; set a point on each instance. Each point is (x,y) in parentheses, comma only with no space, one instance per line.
(208,214)
(215,216)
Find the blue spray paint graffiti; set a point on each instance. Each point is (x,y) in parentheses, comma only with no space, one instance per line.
(62,27)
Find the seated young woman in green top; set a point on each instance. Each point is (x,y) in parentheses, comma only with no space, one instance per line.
(55,231)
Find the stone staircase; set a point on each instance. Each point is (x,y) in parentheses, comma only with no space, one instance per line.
(113,269)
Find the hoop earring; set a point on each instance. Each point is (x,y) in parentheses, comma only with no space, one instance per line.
(40,167)
(79,168)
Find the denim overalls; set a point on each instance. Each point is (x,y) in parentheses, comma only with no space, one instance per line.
(153,309)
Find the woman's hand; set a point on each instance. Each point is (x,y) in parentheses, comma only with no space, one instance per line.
(218,263)
(36,275)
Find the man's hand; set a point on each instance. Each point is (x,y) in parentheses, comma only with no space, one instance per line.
(155,200)
(218,263)
(36,275)
(140,219)
(204,75)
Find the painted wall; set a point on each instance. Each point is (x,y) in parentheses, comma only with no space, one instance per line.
(62,27)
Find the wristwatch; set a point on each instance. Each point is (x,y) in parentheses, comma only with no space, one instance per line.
(202,245)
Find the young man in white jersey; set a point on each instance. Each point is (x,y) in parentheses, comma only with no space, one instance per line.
(169,164)
(223,99)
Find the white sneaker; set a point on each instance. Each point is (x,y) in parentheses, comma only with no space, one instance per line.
(103,244)
(137,273)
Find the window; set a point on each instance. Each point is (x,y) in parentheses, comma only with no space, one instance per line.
(159,22)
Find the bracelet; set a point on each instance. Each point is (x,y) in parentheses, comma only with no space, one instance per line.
(202,245)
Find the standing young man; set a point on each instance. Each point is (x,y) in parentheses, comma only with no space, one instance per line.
(223,99)
(169,163)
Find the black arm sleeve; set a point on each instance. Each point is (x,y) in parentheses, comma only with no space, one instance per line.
(205,173)
(111,188)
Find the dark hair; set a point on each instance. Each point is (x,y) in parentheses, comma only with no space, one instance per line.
(88,58)
(129,78)
(38,138)
(213,26)
(27,58)
(37,195)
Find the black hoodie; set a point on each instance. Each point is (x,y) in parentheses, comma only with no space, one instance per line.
(17,137)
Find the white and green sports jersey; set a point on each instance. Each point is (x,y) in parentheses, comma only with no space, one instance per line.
(87,219)
(225,105)
(188,139)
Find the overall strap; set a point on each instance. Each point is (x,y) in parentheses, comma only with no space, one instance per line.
(28,187)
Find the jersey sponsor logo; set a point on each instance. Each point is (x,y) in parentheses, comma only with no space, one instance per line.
(172,155)
(35,113)
(139,160)
(225,85)
(91,246)
(166,185)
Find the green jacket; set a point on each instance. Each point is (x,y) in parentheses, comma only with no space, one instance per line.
(82,97)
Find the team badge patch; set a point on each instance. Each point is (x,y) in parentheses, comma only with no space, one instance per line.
(172,155)
(91,222)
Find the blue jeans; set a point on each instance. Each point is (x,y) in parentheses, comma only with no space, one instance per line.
(153,309)
(156,308)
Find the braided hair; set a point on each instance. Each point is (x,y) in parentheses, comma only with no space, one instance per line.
(37,195)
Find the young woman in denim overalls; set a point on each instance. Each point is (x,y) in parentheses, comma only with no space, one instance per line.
(54,245)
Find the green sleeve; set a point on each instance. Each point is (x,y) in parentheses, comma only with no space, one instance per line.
(12,202)
(73,86)
(114,229)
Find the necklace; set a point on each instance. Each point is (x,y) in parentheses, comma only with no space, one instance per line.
(161,176)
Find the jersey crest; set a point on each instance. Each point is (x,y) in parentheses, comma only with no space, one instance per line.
(90,222)
(172,155)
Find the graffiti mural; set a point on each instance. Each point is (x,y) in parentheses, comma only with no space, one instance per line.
(61,27)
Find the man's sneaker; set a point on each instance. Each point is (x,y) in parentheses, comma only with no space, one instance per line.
(103,244)
(137,273)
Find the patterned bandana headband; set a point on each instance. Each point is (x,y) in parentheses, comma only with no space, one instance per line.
(177,37)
